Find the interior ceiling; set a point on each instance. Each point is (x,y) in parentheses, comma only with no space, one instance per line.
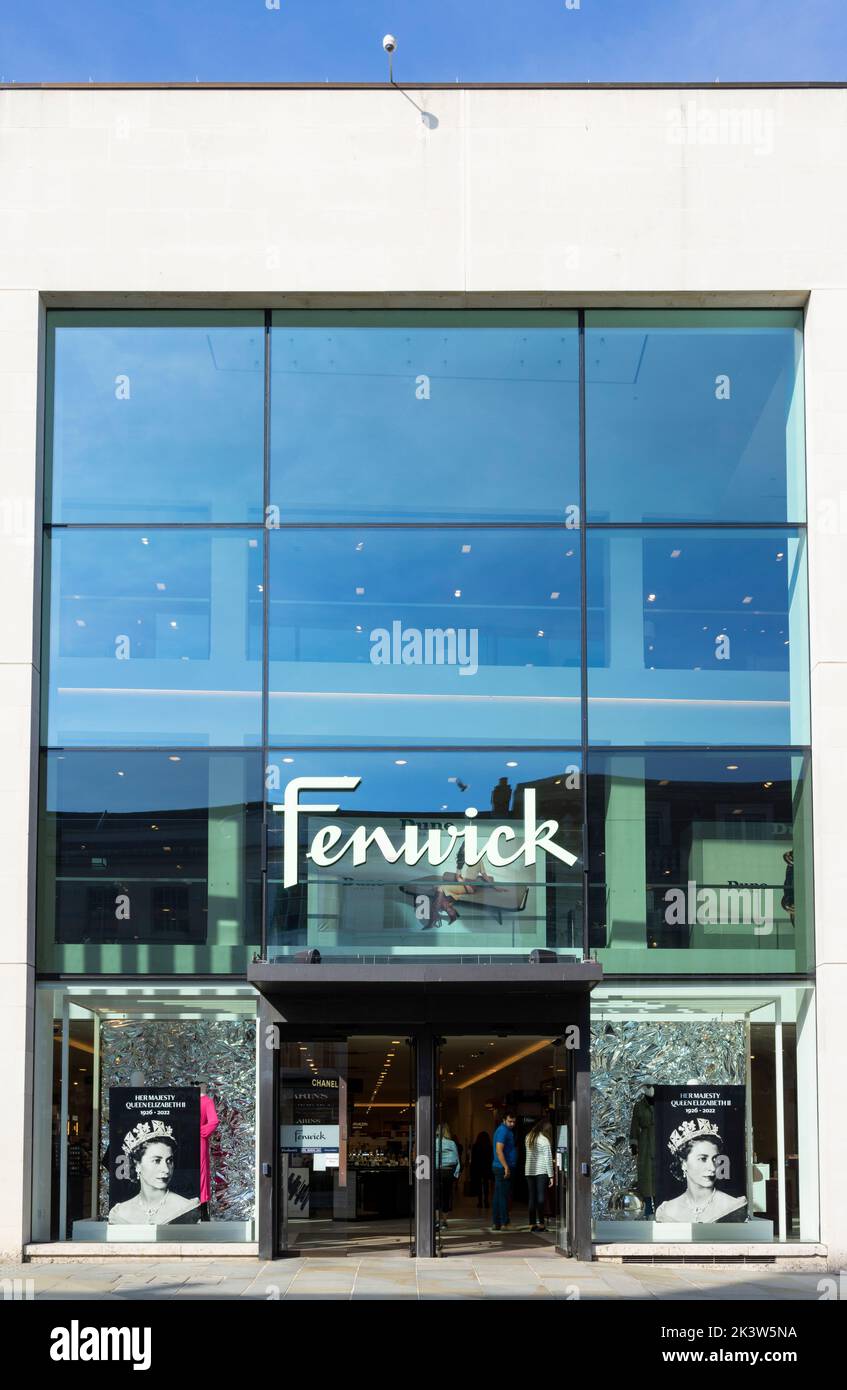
(462,1059)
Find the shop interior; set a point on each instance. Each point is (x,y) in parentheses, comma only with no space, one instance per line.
(355,1099)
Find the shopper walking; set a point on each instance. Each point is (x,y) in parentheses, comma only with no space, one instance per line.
(502,1167)
(538,1171)
(447,1167)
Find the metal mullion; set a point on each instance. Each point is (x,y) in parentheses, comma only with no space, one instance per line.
(152,525)
(583,637)
(266,565)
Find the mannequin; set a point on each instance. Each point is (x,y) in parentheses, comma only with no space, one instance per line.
(642,1145)
(208,1124)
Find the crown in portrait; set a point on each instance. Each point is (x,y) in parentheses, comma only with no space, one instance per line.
(701,1128)
(148,1129)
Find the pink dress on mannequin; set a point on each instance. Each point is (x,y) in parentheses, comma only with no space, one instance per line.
(208,1125)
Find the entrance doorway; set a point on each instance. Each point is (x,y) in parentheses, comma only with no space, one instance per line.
(386,1144)
(513,1090)
(346,1145)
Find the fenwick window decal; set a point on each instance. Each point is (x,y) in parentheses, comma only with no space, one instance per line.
(325,849)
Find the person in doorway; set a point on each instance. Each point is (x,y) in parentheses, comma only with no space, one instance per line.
(481,1156)
(502,1167)
(448,1167)
(538,1171)
(208,1124)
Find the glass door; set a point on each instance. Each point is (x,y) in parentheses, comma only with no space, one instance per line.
(346,1141)
(563,1116)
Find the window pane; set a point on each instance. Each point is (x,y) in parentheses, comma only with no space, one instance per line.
(695,416)
(697,637)
(425,416)
(424,636)
(700,862)
(662,1055)
(155,416)
(154,637)
(432,901)
(149,862)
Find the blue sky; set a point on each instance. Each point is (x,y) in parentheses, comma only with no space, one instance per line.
(439,40)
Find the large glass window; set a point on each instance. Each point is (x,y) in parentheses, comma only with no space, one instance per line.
(463,636)
(413,854)
(111,1064)
(697,636)
(424,548)
(694,416)
(154,637)
(704,1114)
(149,862)
(425,416)
(700,863)
(155,416)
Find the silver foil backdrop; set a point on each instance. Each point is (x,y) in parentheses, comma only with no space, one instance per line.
(178,1052)
(625,1058)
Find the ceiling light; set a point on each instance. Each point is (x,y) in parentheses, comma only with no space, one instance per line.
(748,598)
(457,593)
(675,554)
(555,593)
(732,767)
(145,540)
(466,550)
(80,622)
(288,760)
(400,762)
(511,764)
(651,598)
(360,591)
(540,632)
(174,758)
(767,784)
(780,554)
(160,586)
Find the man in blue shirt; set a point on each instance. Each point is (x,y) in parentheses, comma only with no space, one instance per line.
(503,1165)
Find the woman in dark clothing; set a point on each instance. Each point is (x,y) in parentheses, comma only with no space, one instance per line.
(481,1156)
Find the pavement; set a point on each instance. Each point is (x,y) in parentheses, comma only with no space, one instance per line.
(510,1276)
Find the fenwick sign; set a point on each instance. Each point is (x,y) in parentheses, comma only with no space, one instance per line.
(333,842)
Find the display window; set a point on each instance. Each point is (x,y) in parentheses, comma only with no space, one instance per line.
(145,1130)
(704,1114)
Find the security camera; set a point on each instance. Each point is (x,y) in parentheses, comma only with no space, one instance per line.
(389,43)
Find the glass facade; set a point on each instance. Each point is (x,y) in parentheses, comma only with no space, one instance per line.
(424,636)
(534,582)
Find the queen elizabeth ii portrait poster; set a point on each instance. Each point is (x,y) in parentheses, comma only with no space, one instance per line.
(701,1166)
(154,1155)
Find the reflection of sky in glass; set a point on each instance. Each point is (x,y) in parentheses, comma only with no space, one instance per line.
(406,780)
(187,445)
(354,645)
(354,436)
(123,783)
(661,444)
(155,636)
(703,636)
